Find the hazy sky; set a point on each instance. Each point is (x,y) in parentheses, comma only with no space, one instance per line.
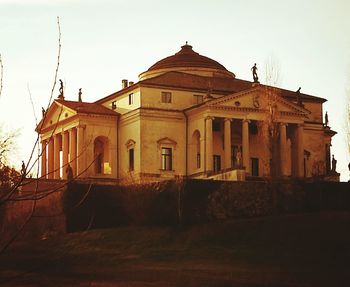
(104,41)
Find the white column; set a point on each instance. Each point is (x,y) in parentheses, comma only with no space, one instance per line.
(283,148)
(80,149)
(43,159)
(300,150)
(245,144)
(227,143)
(65,149)
(209,144)
(73,150)
(202,152)
(56,157)
(50,162)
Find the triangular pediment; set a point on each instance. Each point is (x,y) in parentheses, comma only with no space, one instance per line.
(57,112)
(166,141)
(258,99)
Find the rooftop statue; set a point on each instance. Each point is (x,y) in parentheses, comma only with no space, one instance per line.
(326,119)
(299,102)
(61,96)
(79,95)
(255,74)
(334,164)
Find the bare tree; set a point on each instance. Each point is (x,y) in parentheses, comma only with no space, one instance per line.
(11,194)
(6,145)
(26,169)
(268,129)
(273,75)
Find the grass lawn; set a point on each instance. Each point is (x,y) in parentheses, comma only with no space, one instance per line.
(311,249)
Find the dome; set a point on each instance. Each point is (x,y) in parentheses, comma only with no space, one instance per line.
(187,60)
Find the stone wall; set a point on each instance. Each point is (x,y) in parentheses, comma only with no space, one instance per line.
(86,206)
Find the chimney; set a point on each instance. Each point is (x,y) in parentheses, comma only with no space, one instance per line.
(124,84)
(131,83)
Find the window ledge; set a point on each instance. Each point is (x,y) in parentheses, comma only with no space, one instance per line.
(166,170)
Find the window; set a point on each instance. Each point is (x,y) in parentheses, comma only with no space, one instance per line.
(166,97)
(198,160)
(217,163)
(166,158)
(198,99)
(131,98)
(255,166)
(131,159)
(114,105)
(216,126)
(99,163)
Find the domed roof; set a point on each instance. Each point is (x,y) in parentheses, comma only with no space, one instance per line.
(186,57)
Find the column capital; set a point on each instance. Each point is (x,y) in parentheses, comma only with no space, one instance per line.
(227,119)
(283,124)
(301,125)
(81,126)
(209,118)
(246,121)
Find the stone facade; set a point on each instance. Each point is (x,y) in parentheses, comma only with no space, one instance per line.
(187,117)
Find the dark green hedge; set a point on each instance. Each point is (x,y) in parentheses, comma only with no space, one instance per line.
(195,201)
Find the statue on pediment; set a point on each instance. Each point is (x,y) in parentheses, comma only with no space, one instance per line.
(255,74)
(61,95)
(298,96)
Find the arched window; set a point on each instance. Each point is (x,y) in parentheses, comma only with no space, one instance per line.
(196,148)
(101,156)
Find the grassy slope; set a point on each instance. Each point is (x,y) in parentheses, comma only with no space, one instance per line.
(291,250)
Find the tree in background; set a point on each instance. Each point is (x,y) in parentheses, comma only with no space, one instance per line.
(269,128)
(9,176)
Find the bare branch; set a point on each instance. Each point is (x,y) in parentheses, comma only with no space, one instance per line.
(8,196)
(31,101)
(58,62)
(273,71)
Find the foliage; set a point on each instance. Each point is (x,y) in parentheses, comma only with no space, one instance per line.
(8,175)
(8,178)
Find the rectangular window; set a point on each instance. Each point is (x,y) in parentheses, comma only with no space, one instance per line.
(166,158)
(198,99)
(217,163)
(166,97)
(198,160)
(255,166)
(131,98)
(216,125)
(114,105)
(131,159)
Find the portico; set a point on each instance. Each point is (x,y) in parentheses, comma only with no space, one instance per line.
(235,151)
(67,140)
(63,148)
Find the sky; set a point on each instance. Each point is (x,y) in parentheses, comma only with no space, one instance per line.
(105,41)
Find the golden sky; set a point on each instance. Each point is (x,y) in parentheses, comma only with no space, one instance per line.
(104,41)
